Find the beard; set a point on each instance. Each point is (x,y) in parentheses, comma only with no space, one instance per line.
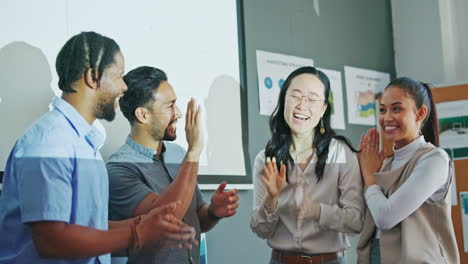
(158,134)
(105,108)
(169,136)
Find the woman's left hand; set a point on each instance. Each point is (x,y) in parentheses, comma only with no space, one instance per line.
(370,159)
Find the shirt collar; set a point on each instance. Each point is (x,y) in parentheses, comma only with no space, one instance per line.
(81,126)
(147,152)
(408,150)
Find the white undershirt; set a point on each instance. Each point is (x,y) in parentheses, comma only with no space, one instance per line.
(427,182)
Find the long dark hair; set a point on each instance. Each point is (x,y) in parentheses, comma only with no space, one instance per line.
(421,94)
(280,142)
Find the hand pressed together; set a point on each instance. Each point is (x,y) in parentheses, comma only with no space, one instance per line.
(370,159)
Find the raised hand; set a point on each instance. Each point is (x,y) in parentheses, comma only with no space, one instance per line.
(370,159)
(193,129)
(224,203)
(273,179)
(161,225)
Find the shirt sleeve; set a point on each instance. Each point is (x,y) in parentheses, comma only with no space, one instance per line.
(347,215)
(200,199)
(126,189)
(429,176)
(45,176)
(261,222)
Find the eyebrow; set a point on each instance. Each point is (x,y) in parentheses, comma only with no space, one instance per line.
(396,103)
(312,93)
(171,101)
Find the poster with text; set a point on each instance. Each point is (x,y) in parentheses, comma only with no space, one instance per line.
(361,87)
(336,98)
(272,71)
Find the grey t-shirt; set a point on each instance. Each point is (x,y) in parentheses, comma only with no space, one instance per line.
(134,172)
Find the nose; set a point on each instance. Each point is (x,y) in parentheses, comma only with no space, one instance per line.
(387,116)
(177,112)
(302,102)
(124,87)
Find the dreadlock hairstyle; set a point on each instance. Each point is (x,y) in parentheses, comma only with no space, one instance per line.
(279,144)
(87,50)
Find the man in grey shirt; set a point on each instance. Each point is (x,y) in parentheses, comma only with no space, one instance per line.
(147,171)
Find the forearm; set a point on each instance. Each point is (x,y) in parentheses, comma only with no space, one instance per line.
(120,224)
(429,175)
(181,189)
(346,214)
(262,222)
(69,241)
(207,222)
(348,219)
(270,203)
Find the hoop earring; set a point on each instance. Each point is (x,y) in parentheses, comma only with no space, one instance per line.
(322,128)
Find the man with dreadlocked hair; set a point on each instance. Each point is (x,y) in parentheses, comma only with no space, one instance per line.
(53,207)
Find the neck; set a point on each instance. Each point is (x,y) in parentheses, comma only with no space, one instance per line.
(302,142)
(83,104)
(144,138)
(401,143)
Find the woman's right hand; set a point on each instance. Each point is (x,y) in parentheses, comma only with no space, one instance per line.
(273,179)
(369,157)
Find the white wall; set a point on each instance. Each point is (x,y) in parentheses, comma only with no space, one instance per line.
(431,40)
(195,43)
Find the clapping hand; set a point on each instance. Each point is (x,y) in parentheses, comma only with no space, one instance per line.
(224,203)
(370,159)
(273,179)
(160,225)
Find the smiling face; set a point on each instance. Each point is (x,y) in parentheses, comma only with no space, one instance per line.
(164,113)
(304,103)
(111,88)
(399,117)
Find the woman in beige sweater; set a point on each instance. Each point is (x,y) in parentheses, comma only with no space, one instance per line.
(305,207)
(408,218)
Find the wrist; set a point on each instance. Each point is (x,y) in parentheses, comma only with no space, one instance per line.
(193,155)
(369,179)
(211,213)
(271,202)
(135,241)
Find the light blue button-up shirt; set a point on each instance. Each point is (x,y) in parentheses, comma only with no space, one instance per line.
(54,173)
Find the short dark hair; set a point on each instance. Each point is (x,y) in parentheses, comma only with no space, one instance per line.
(421,94)
(87,50)
(141,83)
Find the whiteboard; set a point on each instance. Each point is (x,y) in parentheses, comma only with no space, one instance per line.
(194,42)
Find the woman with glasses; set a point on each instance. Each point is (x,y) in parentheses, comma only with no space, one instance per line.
(407,195)
(307,186)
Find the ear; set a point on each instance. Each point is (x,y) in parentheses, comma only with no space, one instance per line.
(142,115)
(422,113)
(90,78)
(324,109)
